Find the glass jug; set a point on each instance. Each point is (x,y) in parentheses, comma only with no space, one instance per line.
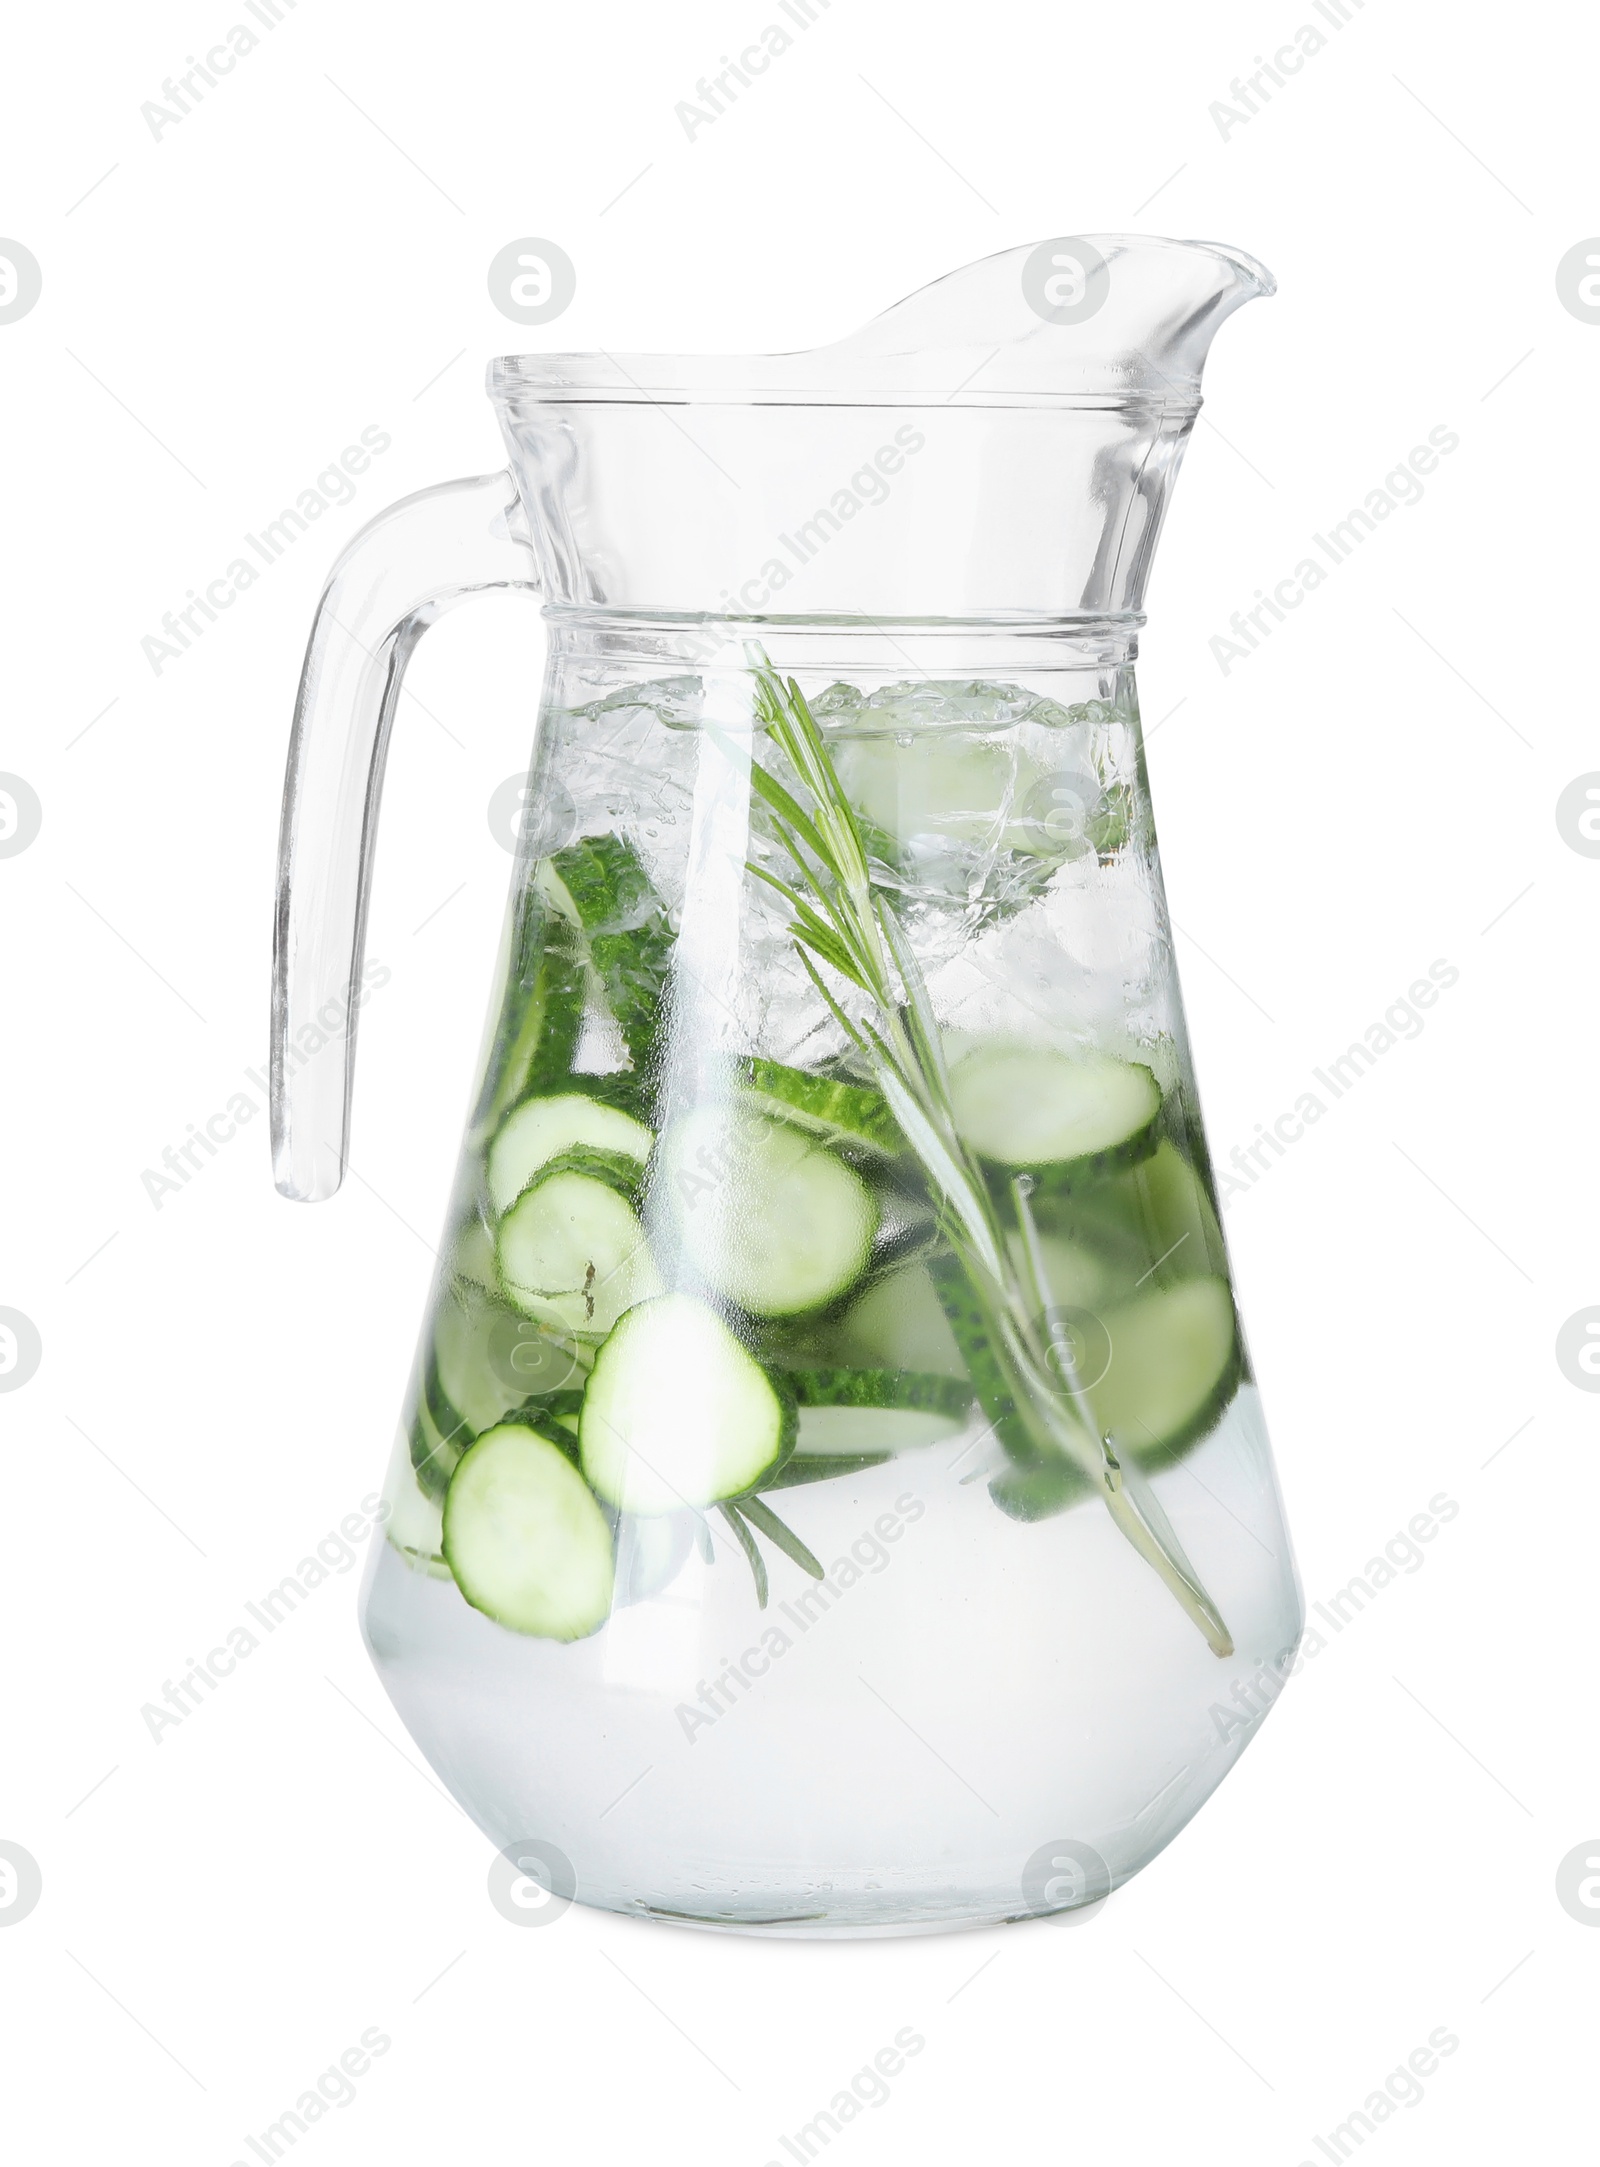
(831,1497)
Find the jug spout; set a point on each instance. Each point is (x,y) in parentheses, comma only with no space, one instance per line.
(1001,443)
(1084,316)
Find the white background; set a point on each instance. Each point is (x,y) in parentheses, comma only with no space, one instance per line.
(1374,788)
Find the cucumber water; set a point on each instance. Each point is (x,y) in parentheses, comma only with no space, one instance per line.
(694,1273)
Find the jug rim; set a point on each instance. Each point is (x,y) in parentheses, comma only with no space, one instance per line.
(1138,348)
(575,380)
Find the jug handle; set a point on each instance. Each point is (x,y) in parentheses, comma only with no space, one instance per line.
(404,569)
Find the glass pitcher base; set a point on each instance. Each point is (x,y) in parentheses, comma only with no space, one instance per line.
(893,1750)
(846,1915)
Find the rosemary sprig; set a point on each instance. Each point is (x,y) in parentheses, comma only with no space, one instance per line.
(747,1543)
(844,924)
(753,1512)
(761,1515)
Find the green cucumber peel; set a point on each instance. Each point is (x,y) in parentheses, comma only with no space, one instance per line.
(807,1468)
(614,1170)
(1039,1493)
(988,1379)
(918,1390)
(603,888)
(830,1107)
(541,1012)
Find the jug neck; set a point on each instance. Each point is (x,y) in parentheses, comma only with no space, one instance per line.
(970,666)
(1088,648)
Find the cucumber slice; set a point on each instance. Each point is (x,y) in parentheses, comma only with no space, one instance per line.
(679,1413)
(488,1359)
(525,1539)
(958,786)
(837,1111)
(849,1433)
(1174,1366)
(1039,1493)
(1154,1222)
(823,1467)
(600,885)
(539,1130)
(871,1413)
(967,1327)
(925,1392)
(1175,1362)
(762,1212)
(543,1035)
(572,1252)
(472,1259)
(413,1526)
(558,1416)
(633,969)
(541,1013)
(436,1449)
(1063,1118)
(462,1385)
(899,1323)
(1075,1276)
